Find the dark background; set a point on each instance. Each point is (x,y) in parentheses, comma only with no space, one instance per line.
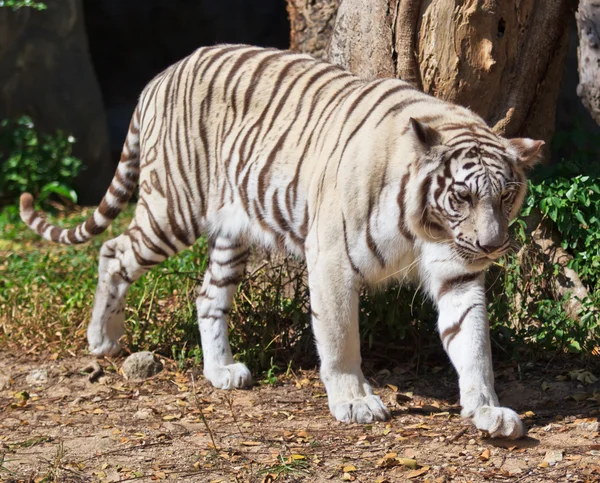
(130,41)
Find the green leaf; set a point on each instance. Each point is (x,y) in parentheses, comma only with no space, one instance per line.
(58,189)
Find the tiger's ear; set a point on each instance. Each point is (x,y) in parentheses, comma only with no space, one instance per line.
(427,136)
(528,151)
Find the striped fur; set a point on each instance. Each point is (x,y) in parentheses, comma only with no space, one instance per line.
(367,180)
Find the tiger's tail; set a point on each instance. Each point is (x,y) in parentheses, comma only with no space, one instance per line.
(119,192)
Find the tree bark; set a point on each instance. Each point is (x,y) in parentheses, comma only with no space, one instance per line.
(588,27)
(46,73)
(502,60)
(311,25)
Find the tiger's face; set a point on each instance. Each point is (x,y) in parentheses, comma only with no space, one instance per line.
(476,189)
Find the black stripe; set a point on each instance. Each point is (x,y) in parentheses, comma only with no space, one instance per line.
(456,282)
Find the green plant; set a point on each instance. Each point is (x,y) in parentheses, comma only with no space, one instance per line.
(17,4)
(39,163)
(567,194)
(271,377)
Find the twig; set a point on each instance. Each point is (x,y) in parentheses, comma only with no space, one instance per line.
(199,406)
(94,370)
(458,435)
(230,404)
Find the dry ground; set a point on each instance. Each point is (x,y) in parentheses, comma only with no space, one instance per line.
(72,430)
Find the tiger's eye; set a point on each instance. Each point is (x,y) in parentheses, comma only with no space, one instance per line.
(464,197)
(472,153)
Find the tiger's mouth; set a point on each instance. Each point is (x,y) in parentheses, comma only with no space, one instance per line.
(473,257)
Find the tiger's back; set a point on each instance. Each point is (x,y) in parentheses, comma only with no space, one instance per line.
(365,179)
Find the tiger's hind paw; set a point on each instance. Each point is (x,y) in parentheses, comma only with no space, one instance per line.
(231,376)
(104,347)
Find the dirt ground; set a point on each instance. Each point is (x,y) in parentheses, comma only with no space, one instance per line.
(69,429)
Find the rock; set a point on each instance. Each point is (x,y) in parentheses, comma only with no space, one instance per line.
(588,427)
(553,456)
(141,365)
(37,377)
(145,413)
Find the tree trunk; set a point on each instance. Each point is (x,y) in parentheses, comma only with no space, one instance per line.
(46,73)
(488,55)
(311,25)
(588,27)
(504,60)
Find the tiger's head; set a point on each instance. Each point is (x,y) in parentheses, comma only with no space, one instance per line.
(474,185)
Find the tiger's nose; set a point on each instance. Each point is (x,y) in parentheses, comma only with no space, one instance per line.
(490,247)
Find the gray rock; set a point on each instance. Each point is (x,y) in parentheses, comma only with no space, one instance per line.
(588,427)
(145,413)
(141,365)
(37,377)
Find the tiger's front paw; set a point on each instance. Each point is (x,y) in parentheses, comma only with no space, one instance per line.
(499,422)
(362,410)
(231,376)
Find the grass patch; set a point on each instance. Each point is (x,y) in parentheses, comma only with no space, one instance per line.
(46,293)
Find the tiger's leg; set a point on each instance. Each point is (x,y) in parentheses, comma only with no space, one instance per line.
(334,304)
(464,330)
(226,268)
(122,261)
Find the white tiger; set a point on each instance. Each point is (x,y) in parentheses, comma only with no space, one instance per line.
(363,179)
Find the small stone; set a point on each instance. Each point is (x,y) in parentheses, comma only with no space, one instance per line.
(145,413)
(588,427)
(37,377)
(553,456)
(141,365)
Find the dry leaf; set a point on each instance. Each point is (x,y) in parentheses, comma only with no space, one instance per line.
(419,472)
(348,477)
(408,462)
(349,469)
(485,455)
(251,443)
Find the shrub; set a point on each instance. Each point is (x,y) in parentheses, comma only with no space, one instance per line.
(39,163)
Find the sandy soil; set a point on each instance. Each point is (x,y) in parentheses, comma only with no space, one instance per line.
(69,429)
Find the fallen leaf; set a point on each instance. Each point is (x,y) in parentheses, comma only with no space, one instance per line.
(349,469)
(22,395)
(485,455)
(419,472)
(348,477)
(408,462)
(250,443)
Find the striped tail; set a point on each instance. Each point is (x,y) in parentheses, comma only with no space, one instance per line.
(115,199)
